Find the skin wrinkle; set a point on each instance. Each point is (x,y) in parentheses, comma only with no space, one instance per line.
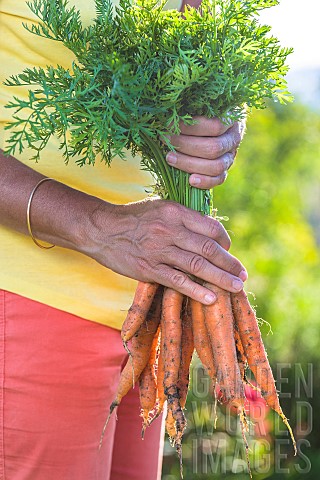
(215,256)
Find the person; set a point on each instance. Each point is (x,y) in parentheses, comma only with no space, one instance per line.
(61,308)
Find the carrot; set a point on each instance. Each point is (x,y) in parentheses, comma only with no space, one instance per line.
(161,397)
(203,348)
(201,339)
(138,311)
(171,329)
(171,428)
(187,349)
(255,352)
(170,424)
(141,348)
(219,322)
(148,385)
(242,361)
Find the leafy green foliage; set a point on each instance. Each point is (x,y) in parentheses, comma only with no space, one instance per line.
(139,72)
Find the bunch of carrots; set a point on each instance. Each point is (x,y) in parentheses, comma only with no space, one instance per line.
(164,328)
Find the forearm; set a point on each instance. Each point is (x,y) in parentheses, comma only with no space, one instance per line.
(152,241)
(59,214)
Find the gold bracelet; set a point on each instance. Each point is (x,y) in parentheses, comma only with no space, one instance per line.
(28,214)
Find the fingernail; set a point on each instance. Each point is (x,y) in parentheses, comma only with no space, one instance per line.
(172,158)
(210,298)
(243,275)
(237,285)
(195,180)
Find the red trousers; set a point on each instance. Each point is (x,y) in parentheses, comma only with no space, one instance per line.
(58,376)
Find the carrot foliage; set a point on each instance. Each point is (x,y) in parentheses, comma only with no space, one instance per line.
(139,71)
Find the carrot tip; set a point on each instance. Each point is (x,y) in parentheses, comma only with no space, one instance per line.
(179,452)
(244,428)
(215,414)
(145,423)
(286,422)
(112,407)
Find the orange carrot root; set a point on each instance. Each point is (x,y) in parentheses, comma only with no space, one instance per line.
(175,432)
(148,385)
(201,339)
(140,349)
(242,361)
(161,397)
(138,311)
(187,348)
(220,325)
(171,426)
(219,322)
(171,328)
(250,335)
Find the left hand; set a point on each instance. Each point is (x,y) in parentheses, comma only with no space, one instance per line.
(206,150)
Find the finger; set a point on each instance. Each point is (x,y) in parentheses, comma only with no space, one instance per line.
(180,281)
(205,182)
(211,251)
(196,165)
(210,148)
(194,264)
(205,225)
(205,127)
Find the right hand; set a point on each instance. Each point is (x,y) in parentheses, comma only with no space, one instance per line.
(163,242)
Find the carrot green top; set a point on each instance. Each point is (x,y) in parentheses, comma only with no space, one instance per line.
(61,278)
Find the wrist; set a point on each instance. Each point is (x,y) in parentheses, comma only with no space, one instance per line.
(111,236)
(66,217)
(96,229)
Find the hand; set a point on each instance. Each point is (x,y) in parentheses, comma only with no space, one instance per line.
(206,150)
(164,242)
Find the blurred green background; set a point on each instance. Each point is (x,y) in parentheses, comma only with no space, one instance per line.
(272,199)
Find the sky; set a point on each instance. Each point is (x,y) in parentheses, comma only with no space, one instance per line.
(296,24)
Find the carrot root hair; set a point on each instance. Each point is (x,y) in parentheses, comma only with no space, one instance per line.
(244,429)
(112,407)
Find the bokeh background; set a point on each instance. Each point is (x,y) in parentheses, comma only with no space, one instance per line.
(272,199)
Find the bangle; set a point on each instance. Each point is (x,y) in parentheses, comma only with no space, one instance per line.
(28,214)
